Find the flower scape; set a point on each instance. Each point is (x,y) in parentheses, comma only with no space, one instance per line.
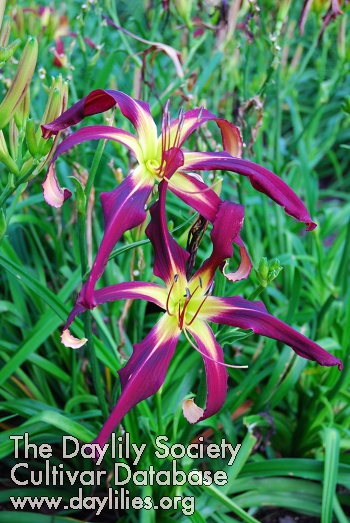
(188,301)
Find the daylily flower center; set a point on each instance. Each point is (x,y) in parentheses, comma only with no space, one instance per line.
(184,304)
(153,166)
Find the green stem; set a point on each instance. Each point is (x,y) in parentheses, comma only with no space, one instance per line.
(248,228)
(94,167)
(278,122)
(114,16)
(256,293)
(158,400)
(12,185)
(95,370)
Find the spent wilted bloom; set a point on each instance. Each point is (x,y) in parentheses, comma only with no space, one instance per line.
(158,158)
(188,306)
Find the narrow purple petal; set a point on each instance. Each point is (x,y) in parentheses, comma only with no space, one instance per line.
(98,101)
(191,120)
(216,373)
(226,229)
(238,312)
(144,373)
(196,194)
(123,208)
(123,291)
(227,219)
(173,160)
(53,193)
(98,132)
(71,116)
(101,100)
(169,258)
(261,179)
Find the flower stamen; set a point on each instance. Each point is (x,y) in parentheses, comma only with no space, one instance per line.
(200,114)
(212,359)
(176,277)
(209,293)
(188,297)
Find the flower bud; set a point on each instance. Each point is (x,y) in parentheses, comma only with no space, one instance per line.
(56,105)
(274,270)
(22,113)
(30,138)
(5,157)
(268,271)
(13,140)
(45,147)
(264,268)
(18,18)
(184,8)
(96,56)
(7,52)
(5,31)
(20,82)
(2,9)
(274,265)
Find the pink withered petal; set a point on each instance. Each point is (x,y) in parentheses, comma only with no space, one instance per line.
(54,194)
(191,411)
(245,265)
(70,341)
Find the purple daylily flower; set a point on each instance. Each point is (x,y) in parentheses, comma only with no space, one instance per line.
(159,158)
(188,306)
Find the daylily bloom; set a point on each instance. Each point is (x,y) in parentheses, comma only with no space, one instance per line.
(159,158)
(188,306)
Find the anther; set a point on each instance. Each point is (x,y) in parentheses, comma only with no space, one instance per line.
(176,277)
(212,359)
(200,114)
(168,119)
(200,282)
(181,122)
(168,297)
(166,107)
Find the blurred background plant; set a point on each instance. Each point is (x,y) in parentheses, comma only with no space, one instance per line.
(23,151)
(289,93)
